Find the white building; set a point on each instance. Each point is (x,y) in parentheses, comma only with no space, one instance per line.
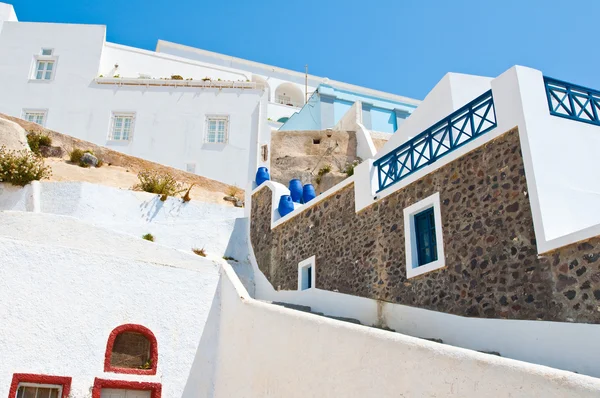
(213,120)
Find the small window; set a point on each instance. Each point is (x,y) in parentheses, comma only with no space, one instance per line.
(38,117)
(121,127)
(44,70)
(190,167)
(29,385)
(423,237)
(316,141)
(306,274)
(264,151)
(131,349)
(217,129)
(47,51)
(425,234)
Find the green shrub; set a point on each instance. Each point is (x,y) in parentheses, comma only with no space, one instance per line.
(157,182)
(149,237)
(75,155)
(324,170)
(22,167)
(176,77)
(350,168)
(37,140)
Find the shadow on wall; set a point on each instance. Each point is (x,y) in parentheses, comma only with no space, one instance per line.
(201,380)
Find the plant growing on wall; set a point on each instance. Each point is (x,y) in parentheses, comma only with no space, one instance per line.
(160,183)
(37,140)
(349,170)
(176,77)
(117,76)
(206,79)
(322,171)
(21,167)
(149,237)
(200,252)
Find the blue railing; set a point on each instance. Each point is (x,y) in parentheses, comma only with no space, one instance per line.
(457,129)
(572,102)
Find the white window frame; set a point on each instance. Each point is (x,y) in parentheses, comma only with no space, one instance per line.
(113,120)
(217,118)
(410,239)
(302,267)
(43,112)
(38,385)
(46,59)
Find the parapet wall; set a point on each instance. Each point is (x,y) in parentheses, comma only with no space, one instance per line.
(294,354)
(492,265)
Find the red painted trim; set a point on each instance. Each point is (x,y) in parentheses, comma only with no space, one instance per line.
(63,381)
(99,384)
(131,328)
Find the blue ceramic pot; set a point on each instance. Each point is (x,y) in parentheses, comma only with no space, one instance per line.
(286,205)
(308,193)
(296,190)
(262,175)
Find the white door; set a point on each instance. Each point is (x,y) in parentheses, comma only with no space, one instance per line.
(117,393)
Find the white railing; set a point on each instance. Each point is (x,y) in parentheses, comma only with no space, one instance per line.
(284,101)
(132,81)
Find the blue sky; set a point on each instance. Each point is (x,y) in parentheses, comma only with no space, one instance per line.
(399,46)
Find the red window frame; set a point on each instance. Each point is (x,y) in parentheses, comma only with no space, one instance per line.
(154,388)
(137,329)
(17,378)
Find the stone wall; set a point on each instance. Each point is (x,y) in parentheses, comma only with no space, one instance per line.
(301,154)
(492,266)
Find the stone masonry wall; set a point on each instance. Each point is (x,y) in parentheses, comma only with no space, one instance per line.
(492,267)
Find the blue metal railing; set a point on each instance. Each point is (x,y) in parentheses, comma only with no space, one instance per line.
(572,101)
(459,128)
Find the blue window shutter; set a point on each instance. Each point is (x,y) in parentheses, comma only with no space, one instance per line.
(425,234)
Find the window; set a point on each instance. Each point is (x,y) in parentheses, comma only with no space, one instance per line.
(25,385)
(425,233)
(44,70)
(121,127)
(423,237)
(32,390)
(47,51)
(131,349)
(217,129)
(38,117)
(105,388)
(190,167)
(306,274)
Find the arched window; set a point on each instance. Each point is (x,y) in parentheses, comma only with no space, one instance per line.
(131,349)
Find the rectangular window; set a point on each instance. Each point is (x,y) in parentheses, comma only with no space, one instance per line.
(423,238)
(47,51)
(190,167)
(306,274)
(122,127)
(32,390)
(44,70)
(425,233)
(38,117)
(217,129)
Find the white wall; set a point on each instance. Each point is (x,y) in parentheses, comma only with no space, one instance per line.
(65,287)
(173,223)
(352,121)
(269,351)
(170,124)
(561,165)
(7,13)
(452,92)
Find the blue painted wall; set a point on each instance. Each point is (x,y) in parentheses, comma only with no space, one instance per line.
(328,105)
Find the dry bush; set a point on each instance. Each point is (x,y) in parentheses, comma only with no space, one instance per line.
(200,252)
(157,182)
(21,167)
